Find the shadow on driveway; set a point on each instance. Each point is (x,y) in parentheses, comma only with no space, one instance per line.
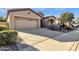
(68,37)
(62,37)
(42,32)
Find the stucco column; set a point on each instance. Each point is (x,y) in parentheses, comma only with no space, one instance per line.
(12,23)
(38,23)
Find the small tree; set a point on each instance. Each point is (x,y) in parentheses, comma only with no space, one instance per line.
(3,19)
(77,20)
(66,17)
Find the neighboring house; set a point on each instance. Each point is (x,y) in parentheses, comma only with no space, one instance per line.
(49,20)
(23,18)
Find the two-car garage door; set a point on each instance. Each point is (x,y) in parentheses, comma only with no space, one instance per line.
(25,23)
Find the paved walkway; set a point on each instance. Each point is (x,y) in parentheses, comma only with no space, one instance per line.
(47,40)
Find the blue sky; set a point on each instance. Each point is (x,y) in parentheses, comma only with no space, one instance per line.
(57,11)
(47,11)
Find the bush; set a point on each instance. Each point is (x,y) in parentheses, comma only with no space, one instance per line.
(8,37)
(3,27)
(54,27)
(68,27)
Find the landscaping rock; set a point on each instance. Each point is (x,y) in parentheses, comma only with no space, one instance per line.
(9,48)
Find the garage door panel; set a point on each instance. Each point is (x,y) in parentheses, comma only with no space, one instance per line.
(24,23)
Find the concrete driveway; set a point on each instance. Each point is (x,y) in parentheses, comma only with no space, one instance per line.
(42,32)
(47,40)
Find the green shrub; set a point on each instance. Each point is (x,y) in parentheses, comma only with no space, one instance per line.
(53,27)
(3,27)
(68,28)
(8,37)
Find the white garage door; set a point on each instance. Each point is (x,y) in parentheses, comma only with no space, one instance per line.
(25,23)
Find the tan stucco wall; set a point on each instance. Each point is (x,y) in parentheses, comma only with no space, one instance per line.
(11,17)
(10,21)
(45,21)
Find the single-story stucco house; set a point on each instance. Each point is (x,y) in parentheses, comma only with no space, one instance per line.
(24,18)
